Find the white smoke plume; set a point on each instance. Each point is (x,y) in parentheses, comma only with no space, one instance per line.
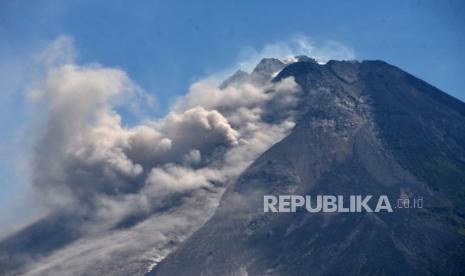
(149,185)
(298,44)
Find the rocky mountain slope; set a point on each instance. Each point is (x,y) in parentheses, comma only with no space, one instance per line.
(119,198)
(288,127)
(362,128)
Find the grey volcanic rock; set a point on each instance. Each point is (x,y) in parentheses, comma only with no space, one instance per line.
(305,58)
(363,128)
(267,66)
(36,240)
(265,70)
(237,77)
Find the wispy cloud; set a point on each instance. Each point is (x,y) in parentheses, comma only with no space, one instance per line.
(296,45)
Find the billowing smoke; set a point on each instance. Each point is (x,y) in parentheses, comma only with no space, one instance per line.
(85,155)
(110,176)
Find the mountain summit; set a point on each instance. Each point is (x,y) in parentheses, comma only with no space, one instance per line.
(184,195)
(362,128)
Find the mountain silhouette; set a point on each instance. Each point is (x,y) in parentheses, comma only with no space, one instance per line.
(363,128)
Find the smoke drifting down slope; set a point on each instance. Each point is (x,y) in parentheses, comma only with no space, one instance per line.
(134,193)
(182,195)
(363,128)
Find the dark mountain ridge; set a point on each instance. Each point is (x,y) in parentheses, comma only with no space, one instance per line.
(362,128)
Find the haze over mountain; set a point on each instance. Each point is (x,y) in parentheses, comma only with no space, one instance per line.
(125,199)
(362,128)
(129,195)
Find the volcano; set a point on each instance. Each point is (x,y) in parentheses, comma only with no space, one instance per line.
(344,128)
(362,128)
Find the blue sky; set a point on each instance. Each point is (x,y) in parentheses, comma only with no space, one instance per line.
(164,46)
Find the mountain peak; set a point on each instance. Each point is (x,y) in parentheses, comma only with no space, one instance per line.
(268,66)
(362,128)
(304,58)
(238,76)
